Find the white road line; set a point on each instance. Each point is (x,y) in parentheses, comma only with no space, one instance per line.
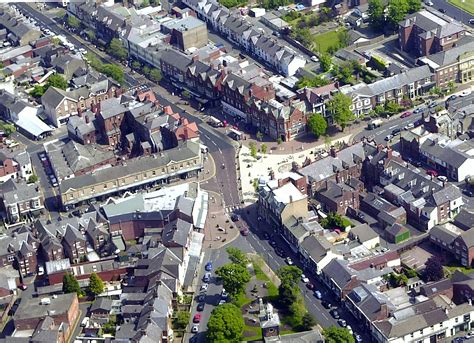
(392,127)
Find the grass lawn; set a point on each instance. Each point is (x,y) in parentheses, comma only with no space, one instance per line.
(464,270)
(466,5)
(325,40)
(241,300)
(257,331)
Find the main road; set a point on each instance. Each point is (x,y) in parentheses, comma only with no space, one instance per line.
(219,146)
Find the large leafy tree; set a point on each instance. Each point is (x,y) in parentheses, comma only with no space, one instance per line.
(397,10)
(289,273)
(325,62)
(317,124)
(237,256)
(234,277)
(339,106)
(433,269)
(72,21)
(57,81)
(376,14)
(117,49)
(414,6)
(334,334)
(70,284)
(316,81)
(96,285)
(226,324)
(114,71)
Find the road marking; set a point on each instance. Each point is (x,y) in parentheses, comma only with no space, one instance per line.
(220,150)
(392,127)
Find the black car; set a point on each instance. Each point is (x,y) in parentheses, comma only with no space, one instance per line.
(273,243)
(433,105)
(396,132)
(326,304)
(200,307)
(452,97)
(234,217)
(334,314)
(442,10)
(201,297)
(469,193)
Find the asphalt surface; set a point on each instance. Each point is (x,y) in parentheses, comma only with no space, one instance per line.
(221,150)
(453,11)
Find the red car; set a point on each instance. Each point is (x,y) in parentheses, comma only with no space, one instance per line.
(432,172)
(23,286)
(197,318)
(309,285)
(244,232)
(406,114)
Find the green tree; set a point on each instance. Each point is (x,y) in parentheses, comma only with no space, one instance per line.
(32,179)
(253,149)
(392,107)
(136,65)
(316,81)
(117,49)
(70,284)
(8,129)
(73,22)
(226,324)
(317,124)
(155,75)
(182,319)
(451,87)
(307,322)
(37,91)
(433,269)
(325,62)
(344,38)
(57,81)
(292,274)
(334,334)
(339,107)
(56,41)
(237,256)
(234,277)
(114,71)
(259,136)
(288,293)
(414,6)
(334,221)
(96,285)
(184,94)
(279,141)
(376,14)
(397,10)
(91,35)
(263,148)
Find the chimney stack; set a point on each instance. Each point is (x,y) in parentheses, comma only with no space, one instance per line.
(332,151)
(86,117)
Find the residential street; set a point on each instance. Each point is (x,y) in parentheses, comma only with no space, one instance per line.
(453,11)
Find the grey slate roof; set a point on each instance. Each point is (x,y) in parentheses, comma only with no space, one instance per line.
(316,248)
(363,232)
(443,234)
(102,303)
(446,194)
(444,58)
(176,59)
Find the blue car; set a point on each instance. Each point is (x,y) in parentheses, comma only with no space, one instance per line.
(208,266)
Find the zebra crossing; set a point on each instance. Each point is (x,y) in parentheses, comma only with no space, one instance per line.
(232,209)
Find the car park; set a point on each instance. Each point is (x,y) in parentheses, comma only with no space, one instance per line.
(197,318)
(195,328)
(318,294)
(208,266)
(304,278)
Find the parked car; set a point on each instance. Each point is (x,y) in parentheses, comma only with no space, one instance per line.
(348,327)
(432,172)
(342,322)
(85,322)
(409,126)
(40,270)
(471,21)
(222,302)
(206,277)
(396,132)
(326,304)
(266,236)
(204,287)
(388,137)
(452,97)
(442,178)
(200,307)
(197,318)
(224,294)
(23,286)
(358,338)
(418,110)
(309,285)
(433,104)
(273,243)
(406,114)
(289,261)
(318,294)
(442,10)
(195,328)
(468,192)
(244,232)
(234,217)
(465,93)
(334,314)
(208,266)
(304,278)
(201,297)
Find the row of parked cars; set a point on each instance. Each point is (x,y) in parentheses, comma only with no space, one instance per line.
(48,168)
